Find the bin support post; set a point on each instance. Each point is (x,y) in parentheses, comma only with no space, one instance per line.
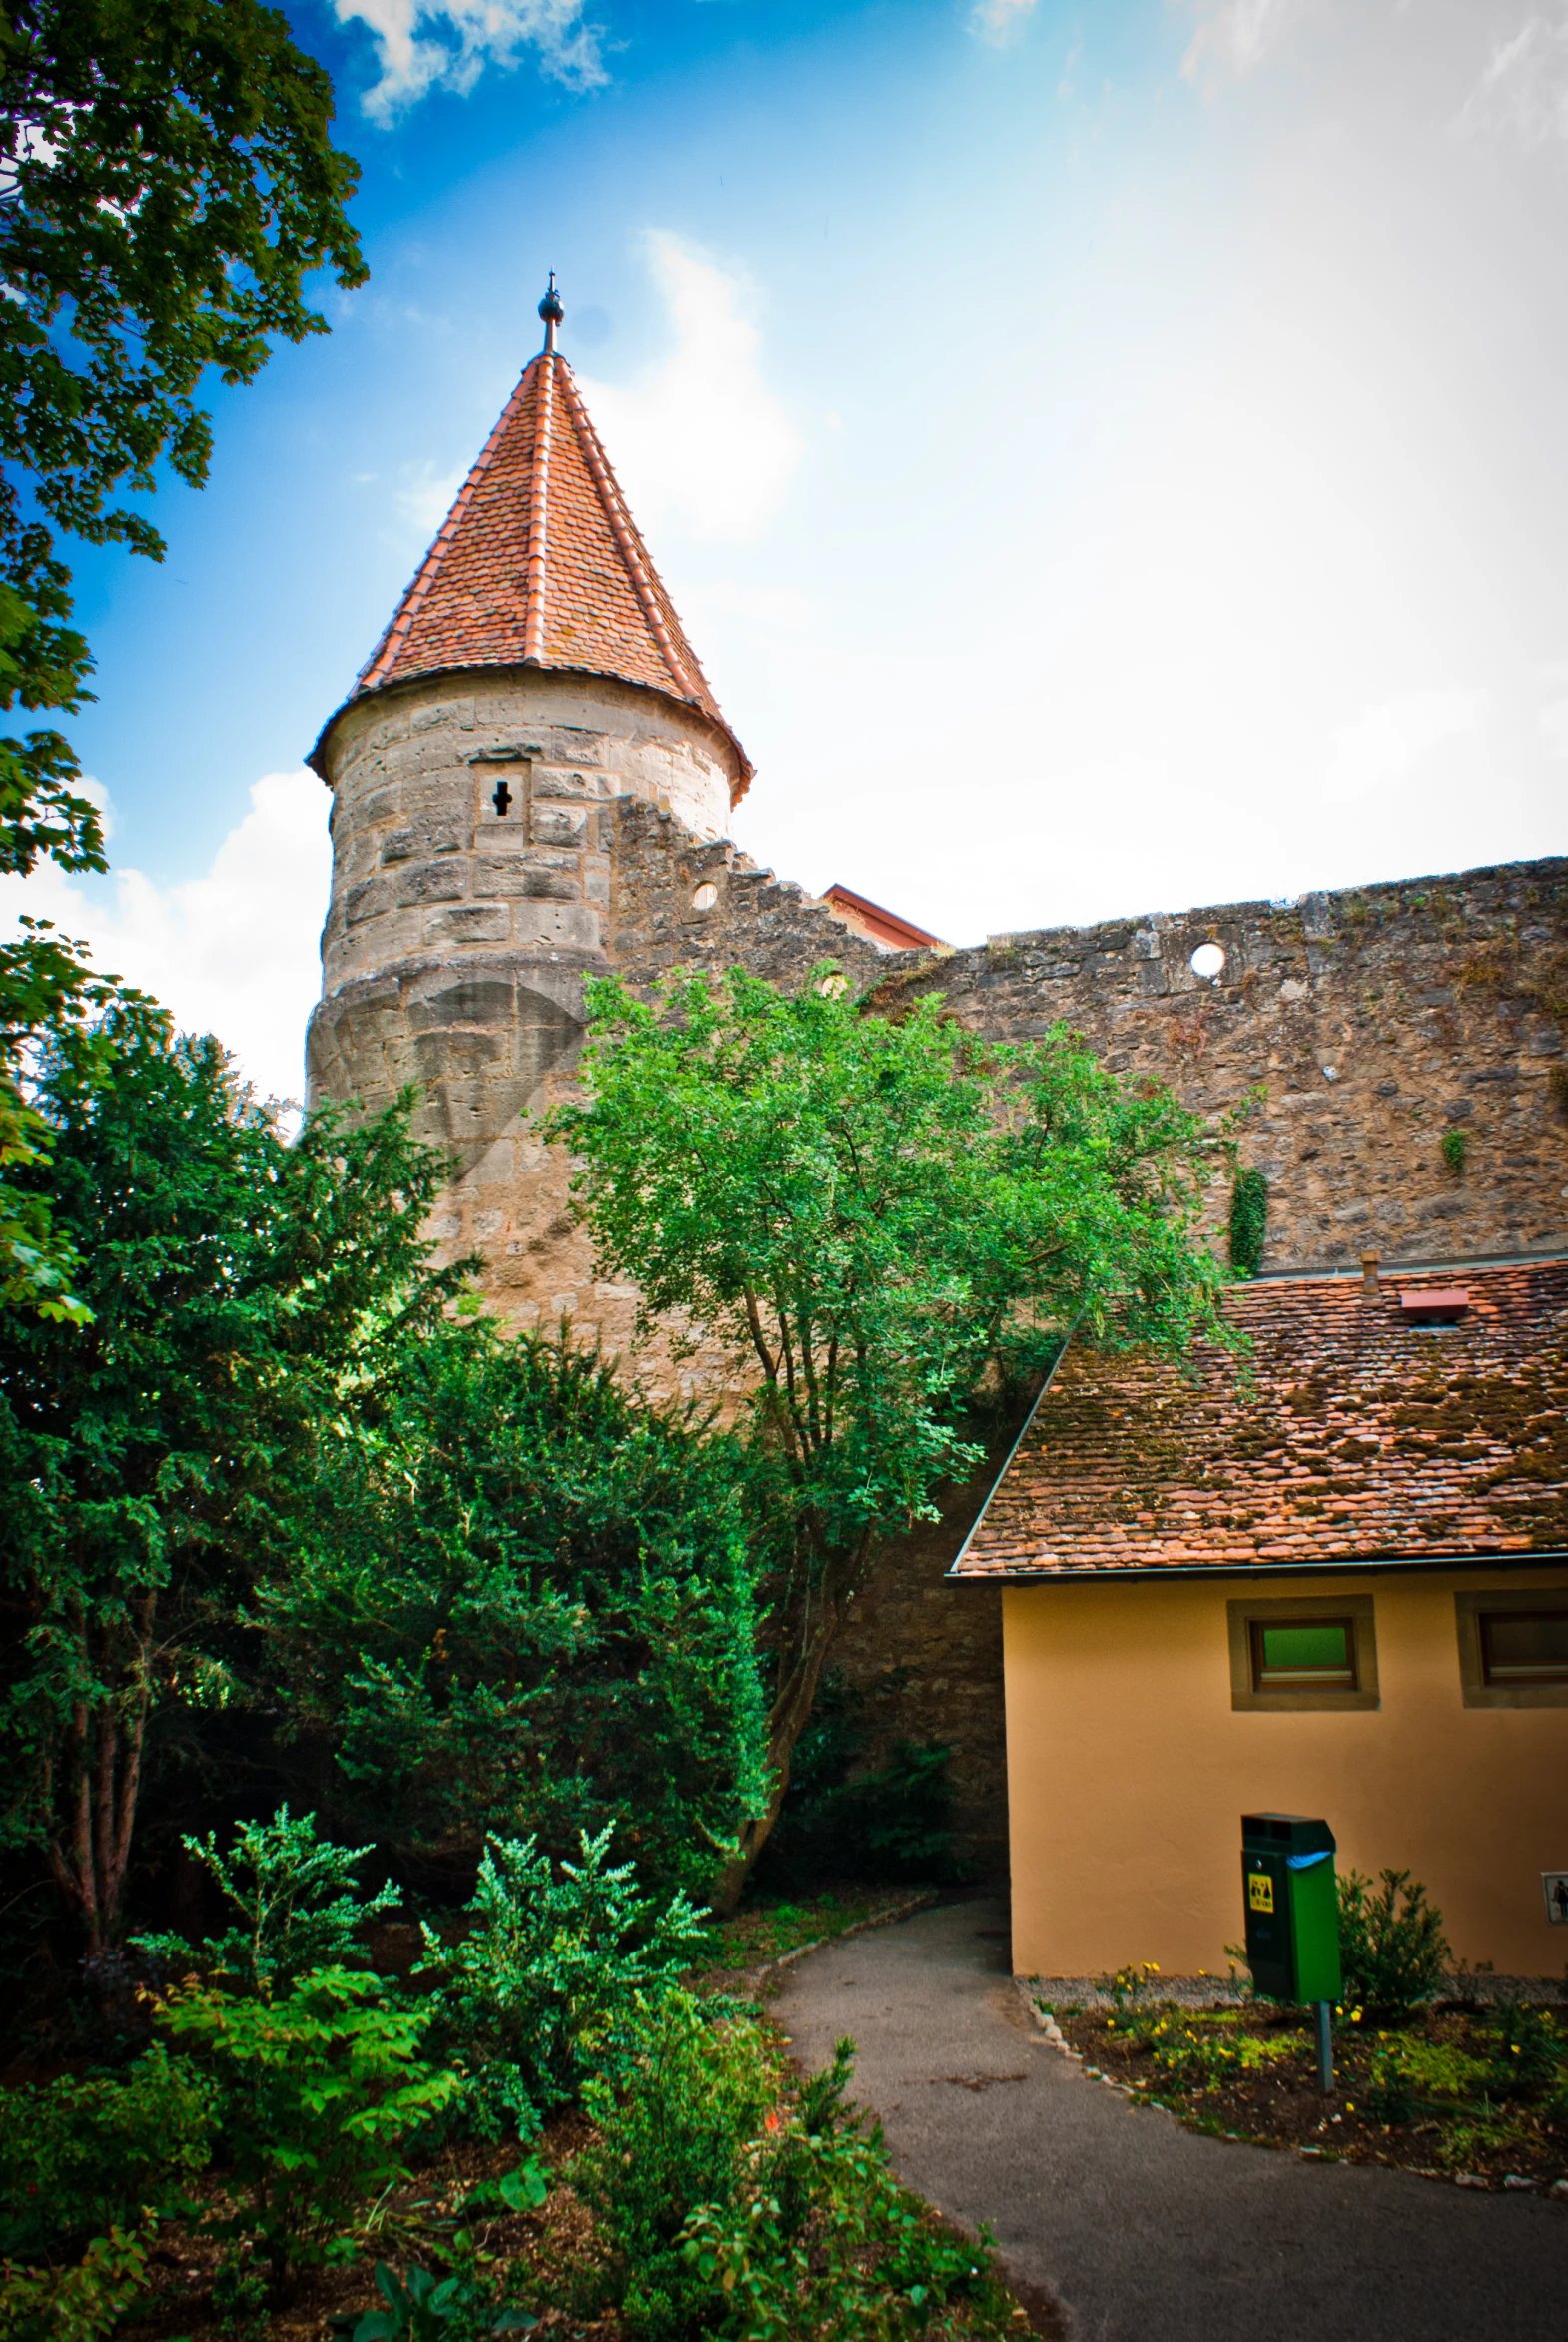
(1325,2047)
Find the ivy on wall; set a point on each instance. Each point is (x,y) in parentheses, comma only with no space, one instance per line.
(1248,1220)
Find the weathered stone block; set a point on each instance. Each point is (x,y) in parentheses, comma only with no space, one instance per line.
(518,874)
(559,823)
(364,901)
(434,882)
(468,922)
(423,837)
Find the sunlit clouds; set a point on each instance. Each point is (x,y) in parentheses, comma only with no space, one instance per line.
(447,44)
(697,437)
(232,952)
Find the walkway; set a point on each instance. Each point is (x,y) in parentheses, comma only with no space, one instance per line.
(1146,2232)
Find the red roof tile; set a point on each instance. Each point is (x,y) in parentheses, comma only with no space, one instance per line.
(1347,1433)
(539,564)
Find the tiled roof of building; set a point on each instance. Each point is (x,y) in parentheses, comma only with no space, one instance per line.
(540,564)
(1352,1430)
(887,928)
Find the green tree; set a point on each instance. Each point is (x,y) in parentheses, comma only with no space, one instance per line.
(167,182)
(881,1218)
(524,1601)
(243,1290)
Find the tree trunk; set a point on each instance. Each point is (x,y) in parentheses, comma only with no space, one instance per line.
(89,1844)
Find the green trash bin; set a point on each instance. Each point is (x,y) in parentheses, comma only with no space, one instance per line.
(1293,1907)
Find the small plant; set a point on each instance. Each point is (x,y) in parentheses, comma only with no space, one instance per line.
(424,2308)
(1454,1148)
(1205,2053)
(544,1990)
(86,2155)
(1531,2054)
(297,1898)
(1248,1220)
(1394,1954)
(78,2304)
(1557,1085)
(322,2086)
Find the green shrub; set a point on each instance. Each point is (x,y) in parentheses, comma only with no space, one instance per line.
(81,2156)
(80,2303)
(1248,1220)
(1393,1955)
(297,1898)
(544,1990)
(1455,1148)
(1531,2054)
(741,2211)
(700,2093)
(320,2088)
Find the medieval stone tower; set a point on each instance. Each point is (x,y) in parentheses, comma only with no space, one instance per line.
(534,675)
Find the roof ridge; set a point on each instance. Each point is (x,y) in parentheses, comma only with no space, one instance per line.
(629,538)
(418,587)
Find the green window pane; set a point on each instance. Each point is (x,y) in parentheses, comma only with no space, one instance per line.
(1319,1652)
(1525,1646)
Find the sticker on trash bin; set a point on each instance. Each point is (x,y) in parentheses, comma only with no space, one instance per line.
(1554,1886)
(1259,1891)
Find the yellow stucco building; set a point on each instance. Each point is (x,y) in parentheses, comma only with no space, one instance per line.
(1333,1582)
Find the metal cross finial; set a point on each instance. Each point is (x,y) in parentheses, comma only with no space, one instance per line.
(552,309)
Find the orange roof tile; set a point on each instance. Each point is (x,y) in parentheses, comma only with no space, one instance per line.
(540,564)
(1351,1434)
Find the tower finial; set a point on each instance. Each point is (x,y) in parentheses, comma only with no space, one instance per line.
(552,309)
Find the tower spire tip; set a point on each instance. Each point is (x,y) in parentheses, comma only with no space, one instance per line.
(552,309)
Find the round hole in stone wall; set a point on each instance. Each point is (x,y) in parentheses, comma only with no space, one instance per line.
(1207,961)
(705,897)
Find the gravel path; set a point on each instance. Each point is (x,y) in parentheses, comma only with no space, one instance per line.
(1143,2232)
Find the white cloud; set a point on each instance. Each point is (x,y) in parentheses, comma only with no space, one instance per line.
(1386,742)
(1234,34)
(234,953)
(447,44)
(427,497)
(700,437)
(1524,88)
(1552,724)
(1000,22)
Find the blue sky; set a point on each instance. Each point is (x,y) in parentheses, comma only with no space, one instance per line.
(1108,457)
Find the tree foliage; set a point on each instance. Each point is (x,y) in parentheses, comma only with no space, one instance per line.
(879,1216)
(241,1289)
(167,182)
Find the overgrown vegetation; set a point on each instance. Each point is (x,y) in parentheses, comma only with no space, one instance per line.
(1249,1226)
(887,1219)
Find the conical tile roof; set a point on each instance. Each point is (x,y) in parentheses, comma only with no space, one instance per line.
(540,564)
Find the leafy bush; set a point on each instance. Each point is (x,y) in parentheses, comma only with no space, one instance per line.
(739,2210)
(80,2156)
(320,2087)
(1248,1220)
(1394,1954)
(1531,2054)
(526,1604)
(78,2304)
(298,1905)
(1455,1148)
(544,1992)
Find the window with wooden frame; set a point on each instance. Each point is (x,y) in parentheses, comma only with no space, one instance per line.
(1316,1652)
(1513,1647)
